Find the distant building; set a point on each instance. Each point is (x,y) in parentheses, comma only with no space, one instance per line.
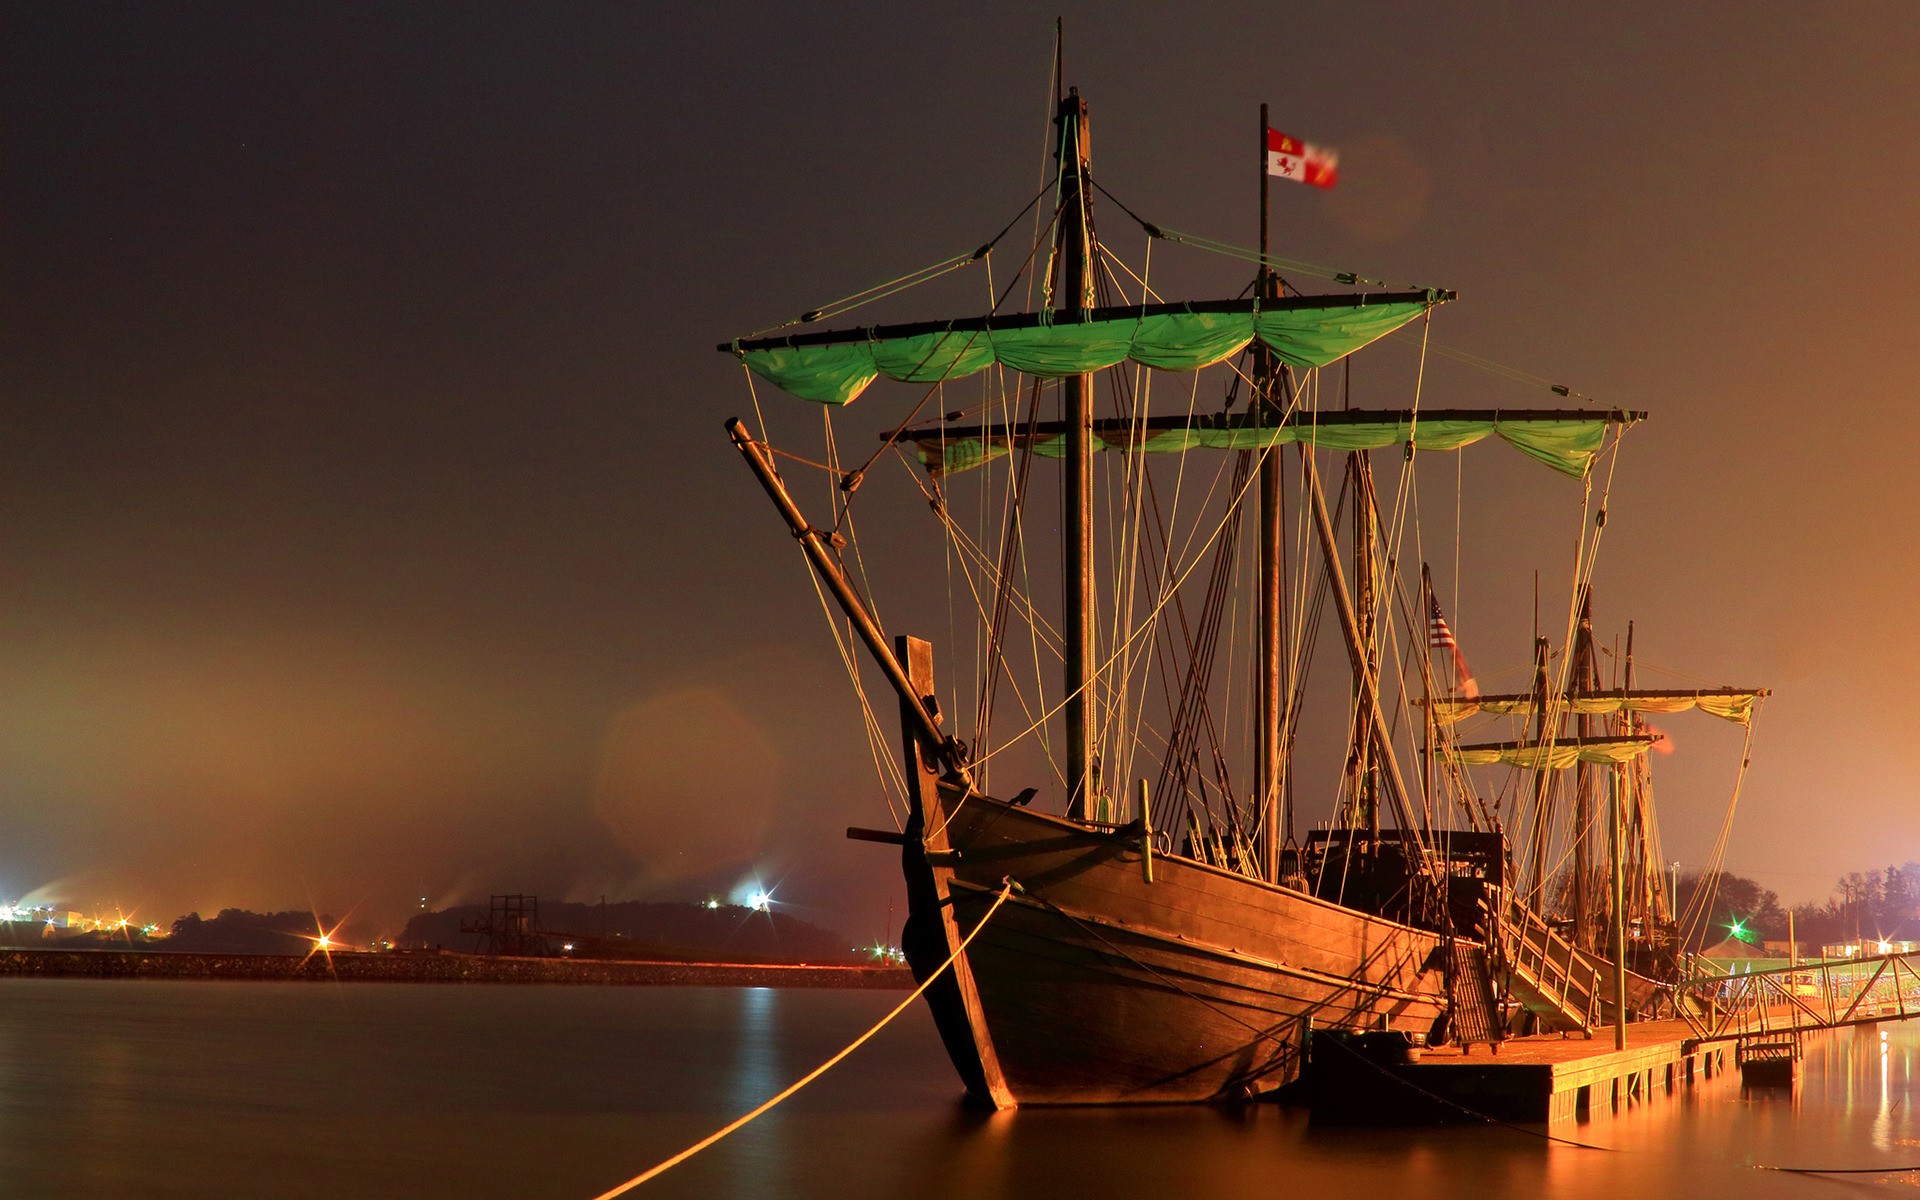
(1867,948)
(1738,951)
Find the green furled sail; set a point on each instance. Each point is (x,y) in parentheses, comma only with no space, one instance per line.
(1553,756)
(1729,704)
(1565,439)
(1302,331)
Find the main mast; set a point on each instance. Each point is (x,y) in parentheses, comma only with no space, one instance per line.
(1073,245)
(1268,767)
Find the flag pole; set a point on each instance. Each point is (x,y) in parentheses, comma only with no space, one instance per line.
(1263,195)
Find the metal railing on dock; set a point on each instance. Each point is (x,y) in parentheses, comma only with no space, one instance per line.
(1755,1006)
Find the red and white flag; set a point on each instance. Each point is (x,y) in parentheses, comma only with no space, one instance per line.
(1291,158)
(1662,744)
(1440,637)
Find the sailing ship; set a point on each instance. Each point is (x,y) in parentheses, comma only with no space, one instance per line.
(1157,930)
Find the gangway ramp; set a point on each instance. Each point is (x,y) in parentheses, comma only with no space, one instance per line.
(1569,990)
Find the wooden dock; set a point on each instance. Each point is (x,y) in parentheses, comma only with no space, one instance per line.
(1375,1079)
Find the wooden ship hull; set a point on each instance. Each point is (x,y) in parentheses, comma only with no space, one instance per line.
(1091,985)
(1088,967)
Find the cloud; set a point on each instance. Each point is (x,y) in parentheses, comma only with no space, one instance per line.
(687,782)
(1383,190)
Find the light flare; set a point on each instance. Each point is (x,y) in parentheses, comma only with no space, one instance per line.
(325,941)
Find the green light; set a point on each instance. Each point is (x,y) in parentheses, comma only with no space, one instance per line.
(1739,929)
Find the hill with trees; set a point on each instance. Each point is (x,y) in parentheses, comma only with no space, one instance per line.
(1864,906)
(643,930)
(239,931)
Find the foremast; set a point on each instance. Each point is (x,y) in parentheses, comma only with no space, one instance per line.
(1073,246)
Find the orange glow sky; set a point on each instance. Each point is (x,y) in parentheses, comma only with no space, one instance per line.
(367,526)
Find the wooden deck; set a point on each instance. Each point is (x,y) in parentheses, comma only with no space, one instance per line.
(1534,1080)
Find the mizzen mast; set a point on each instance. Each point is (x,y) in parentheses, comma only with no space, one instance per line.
(1543,778)
(1585,679)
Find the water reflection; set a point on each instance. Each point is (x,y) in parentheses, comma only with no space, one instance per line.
(280,1091)
(756,1054)
(1851,1111)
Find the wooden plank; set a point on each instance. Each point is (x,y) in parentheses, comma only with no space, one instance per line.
(922,777)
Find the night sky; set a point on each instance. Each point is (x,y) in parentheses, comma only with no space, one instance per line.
(367,527)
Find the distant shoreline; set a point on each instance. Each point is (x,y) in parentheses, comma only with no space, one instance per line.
(435,967)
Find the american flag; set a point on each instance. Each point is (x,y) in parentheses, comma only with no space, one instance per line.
(1440,637)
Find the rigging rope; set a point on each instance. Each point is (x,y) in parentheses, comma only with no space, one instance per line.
(892,781)
(1012,545)
(1700,904)
(878,291)
(1246,254)
(1149,623)
(1134,395)
(1007,888)
(1586,558)
(1056,88)
(1139,631)
(1108,259)
(1492,367)
(852,481)
(1385,584)
(912,279)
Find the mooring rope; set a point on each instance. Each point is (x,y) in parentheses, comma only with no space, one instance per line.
(1007,888)
(1835,1170)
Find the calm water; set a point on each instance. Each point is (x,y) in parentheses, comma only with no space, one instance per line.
(131,1089)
